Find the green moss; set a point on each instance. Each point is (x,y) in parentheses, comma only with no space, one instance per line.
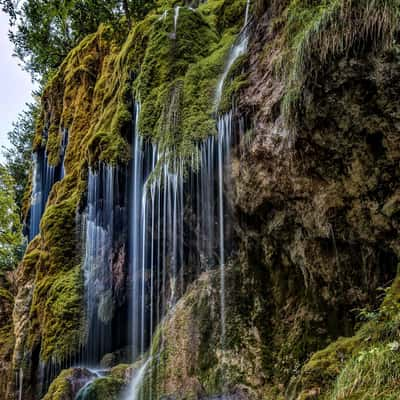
(56,310)
(234,82)
(60,388)
(372,374)
(224,14)
(107,388)
(120,371)
(325,365)
(199,91)
(341,368)
(160,84)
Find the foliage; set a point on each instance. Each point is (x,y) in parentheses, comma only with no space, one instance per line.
(43,32)
(343,369)
(372,374)
(10,226)
(19,152)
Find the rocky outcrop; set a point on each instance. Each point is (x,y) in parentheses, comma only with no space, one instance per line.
(316,201)
(191,359)
(69,383)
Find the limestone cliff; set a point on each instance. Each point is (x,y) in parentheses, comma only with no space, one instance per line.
(310,294)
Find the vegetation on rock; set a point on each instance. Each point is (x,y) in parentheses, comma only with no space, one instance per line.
(316,226)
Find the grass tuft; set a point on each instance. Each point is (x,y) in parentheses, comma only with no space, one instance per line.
(318,32)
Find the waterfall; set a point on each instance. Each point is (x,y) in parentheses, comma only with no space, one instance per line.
(156,237)
(224,127)
(36,197)
(44,176)
(160,196)
(104,239)
(166,250)
(20,378)
(97,266)
(134,387)
(64,144)
(176,17)
(224,148)
(247,14)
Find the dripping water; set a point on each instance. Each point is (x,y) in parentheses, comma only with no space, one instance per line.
(20,383)
(135,386)
(98,227)
(44,176)
(236,51)
(176,18)
(64,144)
(247,14)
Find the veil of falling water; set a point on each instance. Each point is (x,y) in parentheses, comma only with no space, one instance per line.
(97,266)
(44,176)
(162,194)
(178,227)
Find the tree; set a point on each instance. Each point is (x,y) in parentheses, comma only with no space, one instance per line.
(18,154)
(43,31)
(11,238)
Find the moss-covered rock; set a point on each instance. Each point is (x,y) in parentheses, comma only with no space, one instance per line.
(191,360)
(106,388)
(68,384)
(6,332)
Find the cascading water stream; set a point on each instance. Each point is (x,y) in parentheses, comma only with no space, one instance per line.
(44,176)
(20,379)
(43,179)
(98,231)
(237,50)
(247,14)
(176,18)
(224,126)
(64,144)
(161,242)
(135,386)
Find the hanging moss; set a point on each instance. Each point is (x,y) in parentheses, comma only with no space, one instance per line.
(318,32)
(160,83)
(224,14)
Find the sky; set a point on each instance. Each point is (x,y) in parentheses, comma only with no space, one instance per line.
(15,84)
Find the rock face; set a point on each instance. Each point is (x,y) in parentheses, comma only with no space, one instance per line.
(316,204)
(191,357)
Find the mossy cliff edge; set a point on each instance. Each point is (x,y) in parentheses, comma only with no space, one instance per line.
(316,198)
